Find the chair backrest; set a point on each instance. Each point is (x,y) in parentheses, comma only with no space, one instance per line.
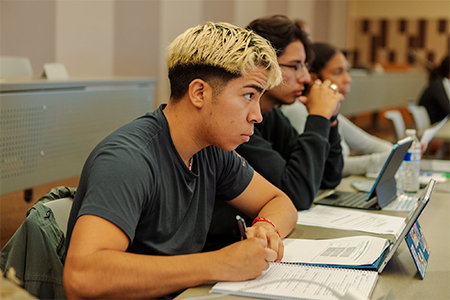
(420,116)
(397,119)
(61,211)
(11,66)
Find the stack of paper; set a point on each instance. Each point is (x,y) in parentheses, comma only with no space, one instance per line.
(293,281)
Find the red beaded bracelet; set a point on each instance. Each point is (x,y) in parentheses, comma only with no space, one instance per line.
(257,219)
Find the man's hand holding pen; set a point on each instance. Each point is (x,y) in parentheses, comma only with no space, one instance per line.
(267,233)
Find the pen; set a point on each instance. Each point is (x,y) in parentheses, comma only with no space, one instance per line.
(242,227)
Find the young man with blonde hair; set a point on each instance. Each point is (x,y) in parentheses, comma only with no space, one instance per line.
(146,194)
(298,164)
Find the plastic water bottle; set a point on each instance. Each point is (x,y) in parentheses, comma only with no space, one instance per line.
(411,165)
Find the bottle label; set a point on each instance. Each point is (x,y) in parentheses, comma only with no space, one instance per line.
(412,156)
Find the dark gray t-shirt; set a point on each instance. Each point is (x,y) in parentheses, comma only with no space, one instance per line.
(136,179)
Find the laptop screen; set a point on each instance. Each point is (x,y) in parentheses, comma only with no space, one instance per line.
(385,187)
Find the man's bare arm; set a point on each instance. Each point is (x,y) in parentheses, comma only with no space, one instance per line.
(97,265)
(263,199)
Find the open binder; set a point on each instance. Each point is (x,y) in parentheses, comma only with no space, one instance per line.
(357,252)
(371,253)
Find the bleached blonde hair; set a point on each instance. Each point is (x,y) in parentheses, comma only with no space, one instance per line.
(222,45)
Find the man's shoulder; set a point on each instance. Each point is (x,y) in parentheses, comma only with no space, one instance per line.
(138,139)
(144,126)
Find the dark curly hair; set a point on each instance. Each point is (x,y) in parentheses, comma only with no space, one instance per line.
(280,31)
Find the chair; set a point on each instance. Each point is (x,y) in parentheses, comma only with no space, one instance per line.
(13,67)
(37,250)
(397,119)
(61,211)
(420,116)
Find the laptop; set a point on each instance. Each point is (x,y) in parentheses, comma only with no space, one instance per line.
(384,189)
(412,218)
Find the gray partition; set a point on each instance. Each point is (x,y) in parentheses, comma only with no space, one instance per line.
(48,129)
(371,92)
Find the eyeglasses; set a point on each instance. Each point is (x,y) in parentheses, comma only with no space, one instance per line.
(298,68)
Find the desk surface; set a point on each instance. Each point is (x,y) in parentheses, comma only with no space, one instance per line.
(400,275)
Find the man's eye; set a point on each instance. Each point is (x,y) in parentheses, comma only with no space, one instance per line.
(248,96)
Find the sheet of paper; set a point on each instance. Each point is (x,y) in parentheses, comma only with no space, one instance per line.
(350,219)
(288,281)
(429,133)
(347,251)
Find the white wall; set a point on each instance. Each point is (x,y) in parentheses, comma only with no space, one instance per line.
(89,36)
(84,37)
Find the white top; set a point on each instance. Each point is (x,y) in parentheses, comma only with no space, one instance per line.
(363,153)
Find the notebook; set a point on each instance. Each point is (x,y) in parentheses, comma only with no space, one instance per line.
(360,252)
(297,281)
(383,191)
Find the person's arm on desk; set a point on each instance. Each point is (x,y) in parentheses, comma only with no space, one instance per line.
(278,210)
(97,265)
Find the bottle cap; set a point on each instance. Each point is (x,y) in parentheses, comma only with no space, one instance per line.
(410,132)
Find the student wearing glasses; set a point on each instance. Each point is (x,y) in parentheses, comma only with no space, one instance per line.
(297,164)
(363,153)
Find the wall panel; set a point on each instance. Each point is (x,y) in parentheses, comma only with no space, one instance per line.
(277,7)
(247,10)
(28,29)
(84,37)
(218,10)
(400,41)
(136,36)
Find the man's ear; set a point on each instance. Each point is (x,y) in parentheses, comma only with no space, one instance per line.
(199,92)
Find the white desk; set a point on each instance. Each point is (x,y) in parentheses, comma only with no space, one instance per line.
(48,128)
(400,275)
(371,92)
